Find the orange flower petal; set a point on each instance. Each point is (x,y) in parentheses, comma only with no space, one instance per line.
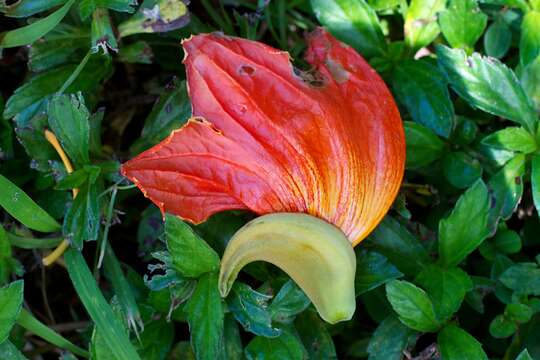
(270,139)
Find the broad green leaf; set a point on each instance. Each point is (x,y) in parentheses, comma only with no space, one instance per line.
(529,45)
(507,242)
(68,119)
(403,249)
(11,299)
(170,112)
(422,88)
(513,139)
(488,85)
(289,301)
(137,53)
(250,309)
(446,288)
(286,346)
(523,278)
(191,255)
(87,7)
(460,169)
(233,342)
(155,16)
(156,340)
(421,26)
(519,313)
(423,146)
(457,241)
(389,340)
(462,24)
(26,8)
(501,327)
(315,336)
(457,344)
(24,209)
(103,37)
(373,270)
(535,181)
(413,306)
(28,34)
(97,307)
(10,351)
(524,355)
(497,39)
(353,22)
(506,187)
(205,318)
(82,220)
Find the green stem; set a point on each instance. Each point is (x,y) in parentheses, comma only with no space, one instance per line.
(30,323)
(75,72)
(32,243)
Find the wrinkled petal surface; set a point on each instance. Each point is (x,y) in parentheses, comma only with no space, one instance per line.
(268,138)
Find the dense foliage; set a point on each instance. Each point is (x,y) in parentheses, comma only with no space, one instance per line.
(452,272)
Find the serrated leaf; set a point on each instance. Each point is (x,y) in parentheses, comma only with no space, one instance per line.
(523,278)
(205,318)
(446,289)
(191,256)
(11,299)
(457,344)
(457,241)
(462,23)
(353,22)
(488,85)
(513,139)
(421,26)
(373,270)
(413,306)
(423,89)
(389,340)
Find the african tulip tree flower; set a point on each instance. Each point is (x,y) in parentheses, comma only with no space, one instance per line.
(323,153)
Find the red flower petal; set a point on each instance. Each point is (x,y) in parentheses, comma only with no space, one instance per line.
(275,140)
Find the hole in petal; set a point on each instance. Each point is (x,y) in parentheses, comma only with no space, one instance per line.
(246,70)
(310,77)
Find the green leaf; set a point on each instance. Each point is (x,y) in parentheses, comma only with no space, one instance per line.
(155,16)
(457,344)
(26,8)
(446,288)
(404,250)
(137,53)
(535,181)
(501,327)
(529,45)
(353,22)
(10,351)
(373,270)
(523,278)
(497,39)
(233,342)
(462,24)
(87,7)
(513,139)
(457,241)
(289,301)
(82,220)
(423,146)
(315,336)
(24,209)
(389,340)
(156,340)
(97,307)
(530,80)
(413,306)
(11,299)
(460,169)
(488,85)
(32,243)
(170,112)
(6,261)
(28,34)
(519,313)
(68,118)
(524,355)
(422,88)
(191,255)
(507,242)
(103,37)
(506,188)
(205,318)
(286,346)
(421,26)
(250,309)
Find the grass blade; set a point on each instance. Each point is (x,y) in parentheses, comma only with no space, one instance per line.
(33,243)
(98,308)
